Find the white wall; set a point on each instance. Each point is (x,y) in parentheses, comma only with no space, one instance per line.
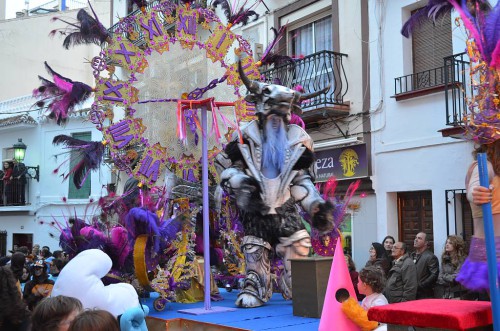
(364,228)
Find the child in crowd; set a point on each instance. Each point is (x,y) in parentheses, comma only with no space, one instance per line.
(55,313)
(371,283)
(95,320)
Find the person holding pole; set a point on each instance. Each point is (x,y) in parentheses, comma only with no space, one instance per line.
(474,272)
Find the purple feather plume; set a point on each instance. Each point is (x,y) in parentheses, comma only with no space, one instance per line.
(60,96)
(491,35)
(89,156)
(242,15)
(269,56)
(67,242)
(339,204)
(142,221)
(92,238)
(297,120)
(435,9)
(169,229)
(119,244)
(87,30)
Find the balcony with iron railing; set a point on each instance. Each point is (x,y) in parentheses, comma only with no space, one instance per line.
(15,194)
(430,81)
(315,72)
(452,79)
(458,89)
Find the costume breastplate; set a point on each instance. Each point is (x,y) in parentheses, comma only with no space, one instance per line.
(273,196)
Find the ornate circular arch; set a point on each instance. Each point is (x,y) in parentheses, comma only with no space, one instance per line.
(167,53)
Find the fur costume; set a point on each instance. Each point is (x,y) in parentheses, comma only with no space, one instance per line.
(268,175)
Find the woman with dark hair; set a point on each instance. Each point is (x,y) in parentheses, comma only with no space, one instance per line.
(7,182)
(95,320)
(13,313)
(378,257)
(26,276)
(2,174)
(354,275)
(451,261)
(56,313)
(388,242)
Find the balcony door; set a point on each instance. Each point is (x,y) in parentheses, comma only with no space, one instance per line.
(307,37)
(310,36)
(22,239)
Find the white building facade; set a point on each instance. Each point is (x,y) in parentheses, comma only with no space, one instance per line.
(418,169)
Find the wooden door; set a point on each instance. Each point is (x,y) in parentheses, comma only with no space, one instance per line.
(415,215)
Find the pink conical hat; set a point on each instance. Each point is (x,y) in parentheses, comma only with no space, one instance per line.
(332,317)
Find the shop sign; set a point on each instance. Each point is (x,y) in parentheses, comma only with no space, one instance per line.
(344,163)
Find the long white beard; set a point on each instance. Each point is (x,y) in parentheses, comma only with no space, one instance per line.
(275,145)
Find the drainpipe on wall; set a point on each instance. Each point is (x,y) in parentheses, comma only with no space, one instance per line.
(3,12)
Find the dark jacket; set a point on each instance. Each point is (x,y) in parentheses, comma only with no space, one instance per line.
(446,286)
(382,263)
(29,294)
(381,259)
(402,281)
(20,171)
(427,273)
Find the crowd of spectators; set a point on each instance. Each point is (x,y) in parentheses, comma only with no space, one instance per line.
(413,273)
(26,281)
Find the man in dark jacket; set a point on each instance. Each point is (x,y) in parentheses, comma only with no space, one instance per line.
(402,280)
(427,266)
(19,181)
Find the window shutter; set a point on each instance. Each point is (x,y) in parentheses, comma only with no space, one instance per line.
(431,42)
(84,192)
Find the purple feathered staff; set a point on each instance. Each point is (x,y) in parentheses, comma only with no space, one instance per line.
(89,155)
(88,30)
(340,205)
(60,96)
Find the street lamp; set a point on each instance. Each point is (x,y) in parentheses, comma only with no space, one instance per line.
(20,153)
